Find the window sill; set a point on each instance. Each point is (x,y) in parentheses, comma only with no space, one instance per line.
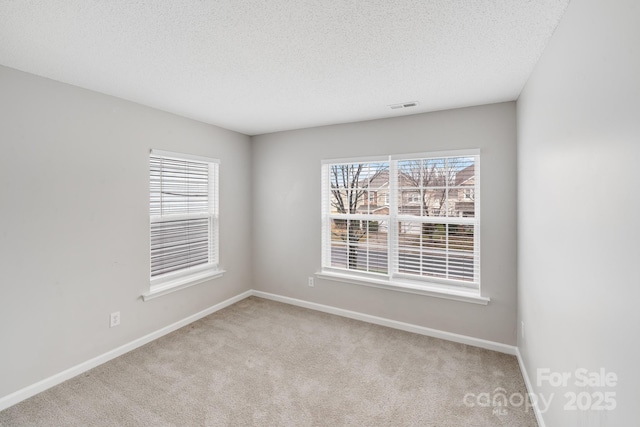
(432,290)
(181,283)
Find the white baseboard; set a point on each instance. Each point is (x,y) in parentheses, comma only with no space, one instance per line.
(527,382)
(56,379)
(463,339)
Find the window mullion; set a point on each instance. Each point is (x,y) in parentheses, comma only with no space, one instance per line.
(392,236)
(326,221)
(446,214)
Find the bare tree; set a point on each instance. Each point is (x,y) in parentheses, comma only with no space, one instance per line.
(423,176)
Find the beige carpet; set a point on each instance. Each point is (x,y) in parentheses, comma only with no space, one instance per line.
(263,363)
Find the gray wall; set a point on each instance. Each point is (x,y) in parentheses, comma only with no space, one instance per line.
(286,214)
(579,206)
(74,223)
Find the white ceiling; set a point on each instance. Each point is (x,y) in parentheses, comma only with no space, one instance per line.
(258,66)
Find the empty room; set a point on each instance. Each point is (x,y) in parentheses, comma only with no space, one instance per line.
(319,213)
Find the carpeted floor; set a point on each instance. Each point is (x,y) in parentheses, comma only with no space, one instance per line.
(263,363)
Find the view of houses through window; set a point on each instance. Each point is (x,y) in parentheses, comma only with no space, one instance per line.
(415,217)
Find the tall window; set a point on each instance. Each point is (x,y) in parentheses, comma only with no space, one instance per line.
(407,218)
(183,213)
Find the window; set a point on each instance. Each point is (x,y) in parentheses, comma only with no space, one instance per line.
(468,193)
(426,236)
(183,211)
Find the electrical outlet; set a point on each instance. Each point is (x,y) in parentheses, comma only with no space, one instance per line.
(522,329)
(311,284)
(114,319)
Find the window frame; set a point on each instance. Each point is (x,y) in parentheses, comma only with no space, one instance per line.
(394,279)
(191,275)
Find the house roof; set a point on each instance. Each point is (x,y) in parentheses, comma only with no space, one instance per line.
(381,180)
(465,174)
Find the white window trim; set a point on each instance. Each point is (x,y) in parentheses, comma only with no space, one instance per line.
(182,279)
(437,290)
(396,282)
(194,278)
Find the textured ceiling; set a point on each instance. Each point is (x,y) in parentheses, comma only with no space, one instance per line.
(258,66)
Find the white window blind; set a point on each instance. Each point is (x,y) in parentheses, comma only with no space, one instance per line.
(183,212)
(412,218)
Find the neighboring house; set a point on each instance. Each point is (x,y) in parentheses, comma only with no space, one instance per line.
(377,198)
(445,193)
(436,192)
(465,181)
(414,201)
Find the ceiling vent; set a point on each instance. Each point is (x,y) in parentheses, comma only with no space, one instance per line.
(404,105)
